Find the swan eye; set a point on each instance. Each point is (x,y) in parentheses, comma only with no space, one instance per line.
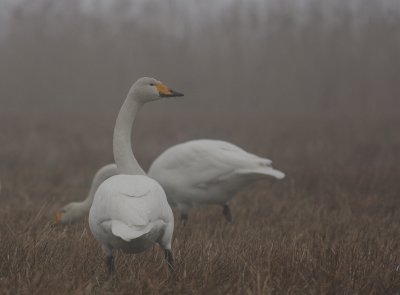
(152,84)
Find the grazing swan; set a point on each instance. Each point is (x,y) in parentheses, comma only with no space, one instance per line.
(207,172)
(130,211)
(77,210)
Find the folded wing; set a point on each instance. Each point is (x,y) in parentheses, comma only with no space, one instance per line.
(130,210)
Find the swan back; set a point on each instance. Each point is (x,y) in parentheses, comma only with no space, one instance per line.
(127,207)
(202,159)
(208,171)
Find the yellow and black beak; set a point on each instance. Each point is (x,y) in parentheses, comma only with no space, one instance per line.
(165,91)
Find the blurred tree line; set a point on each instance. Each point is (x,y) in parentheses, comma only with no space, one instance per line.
(278,56)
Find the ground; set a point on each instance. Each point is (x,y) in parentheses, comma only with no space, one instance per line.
(332,226)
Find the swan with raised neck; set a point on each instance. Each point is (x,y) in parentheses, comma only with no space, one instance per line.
(143,90)
(130,211)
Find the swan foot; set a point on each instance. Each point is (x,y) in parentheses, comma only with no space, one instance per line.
(184,218)
(110,264)
(170,259)
(227,213)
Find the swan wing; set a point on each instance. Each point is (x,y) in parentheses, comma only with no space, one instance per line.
(267,171)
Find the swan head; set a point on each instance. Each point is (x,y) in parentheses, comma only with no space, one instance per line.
(148,89)
(70,213)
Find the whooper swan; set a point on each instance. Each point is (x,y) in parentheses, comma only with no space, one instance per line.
(130,211)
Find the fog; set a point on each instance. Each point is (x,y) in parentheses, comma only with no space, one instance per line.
(274,57)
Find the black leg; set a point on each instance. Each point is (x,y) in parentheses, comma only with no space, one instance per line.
(227,213)
(184,218)
(169,258)
(110,264)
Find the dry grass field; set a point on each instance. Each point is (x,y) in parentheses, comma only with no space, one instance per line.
(331,227)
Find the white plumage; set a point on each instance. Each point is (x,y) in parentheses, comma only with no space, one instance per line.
(74,211)
(192,173)
(207,172)
(130,211)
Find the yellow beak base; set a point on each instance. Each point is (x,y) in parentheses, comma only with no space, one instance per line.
(58,217)
(165,91)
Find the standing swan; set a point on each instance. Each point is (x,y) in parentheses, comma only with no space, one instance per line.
(208,172)
(130,211)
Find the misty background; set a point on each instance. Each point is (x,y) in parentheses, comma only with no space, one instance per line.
(288,80)
(264,56)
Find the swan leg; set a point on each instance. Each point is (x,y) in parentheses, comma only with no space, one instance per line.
(184,209)
(170,259)
(184,218)
(227,213)
(109,258)
(110,264)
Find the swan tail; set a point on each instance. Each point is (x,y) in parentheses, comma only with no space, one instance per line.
(128,233)
(262,172)
(264,162)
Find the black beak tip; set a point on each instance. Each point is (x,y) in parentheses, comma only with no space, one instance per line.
(177,94)
(172,94)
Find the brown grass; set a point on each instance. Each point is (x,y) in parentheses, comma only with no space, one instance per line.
(331,227)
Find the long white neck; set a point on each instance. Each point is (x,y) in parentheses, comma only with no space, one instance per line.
(80,209)
(101,175)
(87,203)
(122,147)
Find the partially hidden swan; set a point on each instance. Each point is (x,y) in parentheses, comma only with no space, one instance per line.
(130,210)
(75,211)
(192,173)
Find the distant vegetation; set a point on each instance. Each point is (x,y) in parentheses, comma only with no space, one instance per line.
(273,56)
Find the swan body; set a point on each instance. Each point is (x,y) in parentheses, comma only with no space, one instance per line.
(208,172)
(131,213)
(130,210)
